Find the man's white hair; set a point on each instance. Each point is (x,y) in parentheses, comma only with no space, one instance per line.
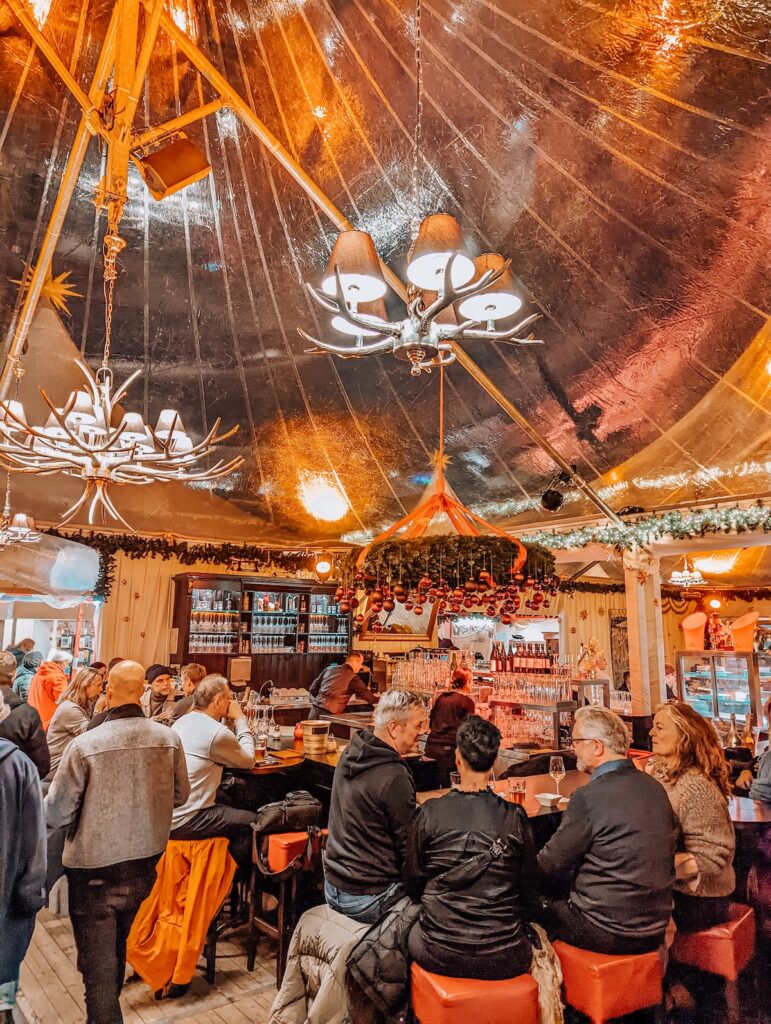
(605,725)
(395,706)
(60,657)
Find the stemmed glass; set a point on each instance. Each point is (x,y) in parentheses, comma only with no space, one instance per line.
(557,772)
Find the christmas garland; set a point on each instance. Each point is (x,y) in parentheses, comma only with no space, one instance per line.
(453,558)
(681,525)
(108,546)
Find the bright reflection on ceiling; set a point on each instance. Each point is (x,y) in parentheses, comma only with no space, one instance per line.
(40,11)
(716,564)
(322,497)
(183,17)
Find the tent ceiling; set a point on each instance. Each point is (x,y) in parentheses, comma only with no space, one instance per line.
(617,152)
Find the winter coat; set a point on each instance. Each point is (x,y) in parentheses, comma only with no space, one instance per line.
(22,857)
(373,801)
(313,989)
(24,677)
(47,686)
(23,728)
(379,964)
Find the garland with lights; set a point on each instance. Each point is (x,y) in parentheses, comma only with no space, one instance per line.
(108,546)
(450,557)
(680,525)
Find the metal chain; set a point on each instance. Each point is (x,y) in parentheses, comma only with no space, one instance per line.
(109,295)
(418,117)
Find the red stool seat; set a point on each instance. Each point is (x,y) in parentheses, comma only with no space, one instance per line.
(724,950)
(440,1000)
(604,987)
(284,847)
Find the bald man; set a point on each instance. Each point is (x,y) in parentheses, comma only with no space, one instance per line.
(114,791)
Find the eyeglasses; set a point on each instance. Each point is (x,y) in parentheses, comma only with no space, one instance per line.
(584,739)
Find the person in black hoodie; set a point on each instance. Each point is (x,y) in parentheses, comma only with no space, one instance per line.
(373,801)
(471,864)
(22,725)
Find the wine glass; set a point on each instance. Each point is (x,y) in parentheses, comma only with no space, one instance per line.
(557,771)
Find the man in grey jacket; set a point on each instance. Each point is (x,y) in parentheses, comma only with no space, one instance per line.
(115,790)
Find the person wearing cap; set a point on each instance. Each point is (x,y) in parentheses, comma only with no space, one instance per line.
(157,701)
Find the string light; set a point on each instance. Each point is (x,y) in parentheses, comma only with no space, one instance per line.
(681,525)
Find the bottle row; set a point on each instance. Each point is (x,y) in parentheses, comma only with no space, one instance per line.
(522,657)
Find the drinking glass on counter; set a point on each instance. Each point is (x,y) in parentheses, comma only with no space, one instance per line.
(517,790)
(557,771)
(454,780)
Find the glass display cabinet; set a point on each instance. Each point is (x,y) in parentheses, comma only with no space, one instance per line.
(764,673)
(290,629)
(718,684)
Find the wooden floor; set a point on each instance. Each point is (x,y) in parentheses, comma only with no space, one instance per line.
(52,990)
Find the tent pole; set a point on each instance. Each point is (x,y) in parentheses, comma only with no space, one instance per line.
(59,211)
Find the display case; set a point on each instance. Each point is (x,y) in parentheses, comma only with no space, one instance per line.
(764,679)
(718,684)
(290,629)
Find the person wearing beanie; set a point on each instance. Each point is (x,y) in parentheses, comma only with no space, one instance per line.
(158,699)
(29,665)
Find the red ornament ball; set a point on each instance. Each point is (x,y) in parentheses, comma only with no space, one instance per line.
(490,612)
(389,604)
(418,609)
(505,619)
(409,605)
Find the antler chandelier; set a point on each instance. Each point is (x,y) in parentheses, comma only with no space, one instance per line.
(452,298)
(16,528)
(86,439)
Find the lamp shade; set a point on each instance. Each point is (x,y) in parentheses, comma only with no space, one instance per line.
(439,239)
(81,410)
(356,260)
(135,431)
(13,408)
(498,300)
(168,420)
(52,427)
(376,310)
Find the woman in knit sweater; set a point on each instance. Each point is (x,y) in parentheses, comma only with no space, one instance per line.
(689,762)
(73,713)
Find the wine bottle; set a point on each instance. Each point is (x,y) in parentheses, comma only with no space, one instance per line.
(748,736)
(733,740)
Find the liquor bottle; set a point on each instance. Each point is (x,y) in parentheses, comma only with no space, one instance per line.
(510,658)
(494,658)
(733,740)
(748,736)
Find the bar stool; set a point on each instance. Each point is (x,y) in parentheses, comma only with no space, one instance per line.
(604,987)
(280,859)
(440,1000)
(724,950)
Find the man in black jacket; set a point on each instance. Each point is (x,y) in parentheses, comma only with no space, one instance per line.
(332,689)
(614,850)
(373,801)
(22,726)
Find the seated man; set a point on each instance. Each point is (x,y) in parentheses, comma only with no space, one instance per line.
(614,849)
(209,747)
(331,690)
(475,896)
(373,801)
(191,675)
(158,699)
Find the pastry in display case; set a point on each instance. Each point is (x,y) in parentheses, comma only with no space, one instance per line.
(719,684)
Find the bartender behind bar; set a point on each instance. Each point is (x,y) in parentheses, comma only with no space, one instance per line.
(331,690)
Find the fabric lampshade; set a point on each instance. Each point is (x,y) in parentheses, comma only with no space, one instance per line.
(498,300)
(168,420)
(81,410)
(375,309)
(439,239)
(355,257)
(15,409)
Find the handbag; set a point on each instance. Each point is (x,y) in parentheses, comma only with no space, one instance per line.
(297,812)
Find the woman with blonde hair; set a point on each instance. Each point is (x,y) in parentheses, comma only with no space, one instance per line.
(73,713)
(689,762)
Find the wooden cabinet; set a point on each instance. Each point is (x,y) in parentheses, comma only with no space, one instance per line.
(289,629)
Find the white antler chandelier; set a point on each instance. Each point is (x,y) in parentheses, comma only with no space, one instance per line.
(452,299)
(83,440)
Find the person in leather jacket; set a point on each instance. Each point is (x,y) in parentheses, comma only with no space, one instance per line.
(474,927)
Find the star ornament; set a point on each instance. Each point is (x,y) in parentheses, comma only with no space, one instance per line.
(440,460)
(56,289)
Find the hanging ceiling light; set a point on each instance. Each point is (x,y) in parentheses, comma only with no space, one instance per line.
(441,274)
(686,577)
(16,528)
(83,439)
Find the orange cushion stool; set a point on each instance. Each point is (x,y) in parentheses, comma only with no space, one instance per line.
(604,987)
(724,950)
(440,1000)
(284,847)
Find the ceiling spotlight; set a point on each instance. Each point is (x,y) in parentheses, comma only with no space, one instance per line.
(323,565)
(715,603)
(552,500)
